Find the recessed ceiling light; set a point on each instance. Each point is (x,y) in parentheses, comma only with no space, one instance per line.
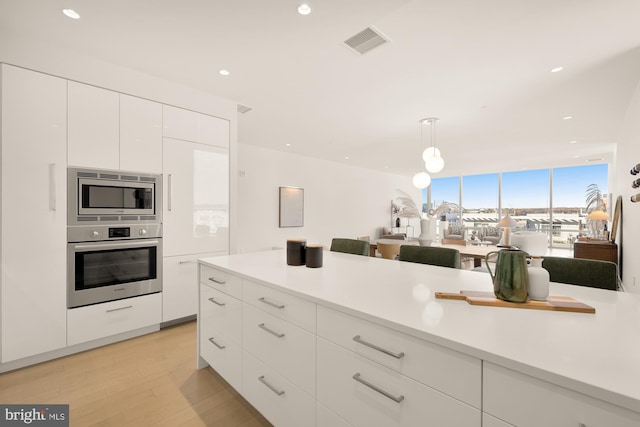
(71,13)
(304,9)
(288,145)
(595,160)
(223,72)
(555,70)
(573,142)
(567,118)
(346,158)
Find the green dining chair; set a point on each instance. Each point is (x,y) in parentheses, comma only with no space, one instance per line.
(442,257)
(350,246)
(583,272)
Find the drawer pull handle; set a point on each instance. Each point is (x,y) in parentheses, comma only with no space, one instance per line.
(120,308)
(271,331)
(271,303)
(396,399)
(221,304)
(270,387)
(218,281)
(375,347)
(220,346)
(191,261)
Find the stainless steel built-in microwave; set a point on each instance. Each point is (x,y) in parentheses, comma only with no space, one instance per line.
(113,196)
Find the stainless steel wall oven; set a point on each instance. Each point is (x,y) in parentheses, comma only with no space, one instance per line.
(114,236)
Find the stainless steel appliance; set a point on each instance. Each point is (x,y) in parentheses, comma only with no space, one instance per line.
(99,196)
(114,236)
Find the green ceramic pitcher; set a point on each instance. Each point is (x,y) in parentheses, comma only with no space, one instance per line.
(511,278)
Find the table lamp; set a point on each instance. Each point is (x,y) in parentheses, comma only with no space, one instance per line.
(507,223)
(598,217)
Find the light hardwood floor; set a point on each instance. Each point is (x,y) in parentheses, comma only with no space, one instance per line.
(146,381)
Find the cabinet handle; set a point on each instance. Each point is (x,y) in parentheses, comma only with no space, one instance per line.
(396,399)
(270,387)
(218,281)
(380,349)
(191,261)
(220,346)
(118,309)
(272,304)
(271,331)
(169,191)
(220,304)
(52,186)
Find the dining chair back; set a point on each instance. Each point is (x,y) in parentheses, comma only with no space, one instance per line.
(443,257)
(583,272)
(388,250)
(350,246)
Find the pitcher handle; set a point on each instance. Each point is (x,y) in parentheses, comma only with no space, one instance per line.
(486,261)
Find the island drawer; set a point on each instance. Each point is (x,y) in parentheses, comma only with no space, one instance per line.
(280,401)
(224,355)
(285,306)
(111,318)
(365,393)
(220,314)
(287,348)
(221,280)
(525,401)
(448,371)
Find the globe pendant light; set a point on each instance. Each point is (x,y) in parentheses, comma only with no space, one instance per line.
(421,179)
(433,160)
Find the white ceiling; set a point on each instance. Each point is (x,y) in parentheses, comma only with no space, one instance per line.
(481,66)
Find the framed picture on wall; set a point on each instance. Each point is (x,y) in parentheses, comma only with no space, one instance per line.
(291,207)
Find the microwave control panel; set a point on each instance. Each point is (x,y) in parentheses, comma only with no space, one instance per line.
(95,233)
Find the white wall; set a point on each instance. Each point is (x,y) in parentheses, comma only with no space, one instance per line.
(628,155)
(339,200)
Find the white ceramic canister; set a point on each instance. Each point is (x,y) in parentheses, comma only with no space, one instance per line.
(538,280)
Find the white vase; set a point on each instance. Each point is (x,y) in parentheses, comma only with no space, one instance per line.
(427,231)
(538,280)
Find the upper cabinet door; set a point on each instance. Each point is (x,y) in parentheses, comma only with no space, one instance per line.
(140,135)
(33,289)
(93,121)
(187,125)
(196,199)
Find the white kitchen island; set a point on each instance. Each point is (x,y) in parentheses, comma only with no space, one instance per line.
(362,341)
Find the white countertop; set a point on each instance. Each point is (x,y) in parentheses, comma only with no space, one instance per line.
(596,354)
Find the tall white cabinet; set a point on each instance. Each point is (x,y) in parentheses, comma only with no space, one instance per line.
(196,203)
(33,214)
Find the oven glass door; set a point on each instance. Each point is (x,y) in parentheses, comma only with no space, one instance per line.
(105,271)
(115,266)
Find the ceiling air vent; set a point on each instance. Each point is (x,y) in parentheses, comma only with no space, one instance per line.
(243,109)
(367,39)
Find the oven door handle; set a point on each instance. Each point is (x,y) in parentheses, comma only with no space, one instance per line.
(118,245)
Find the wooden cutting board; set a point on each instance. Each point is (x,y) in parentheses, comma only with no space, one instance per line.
(553,303)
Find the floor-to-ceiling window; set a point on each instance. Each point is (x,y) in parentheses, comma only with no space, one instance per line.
(572,187)
(480,201)
(552,201)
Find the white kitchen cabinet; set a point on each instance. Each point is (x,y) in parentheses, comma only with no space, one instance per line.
(327,418)
(140,135)
(368,394)
(111,318)
(219,333)
(180,286)
(525,401)
(94,131)
(278,399)
(196,198)
(192,126)
(34,214)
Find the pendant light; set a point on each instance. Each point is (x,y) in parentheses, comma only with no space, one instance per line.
(422,179)
(433,160)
